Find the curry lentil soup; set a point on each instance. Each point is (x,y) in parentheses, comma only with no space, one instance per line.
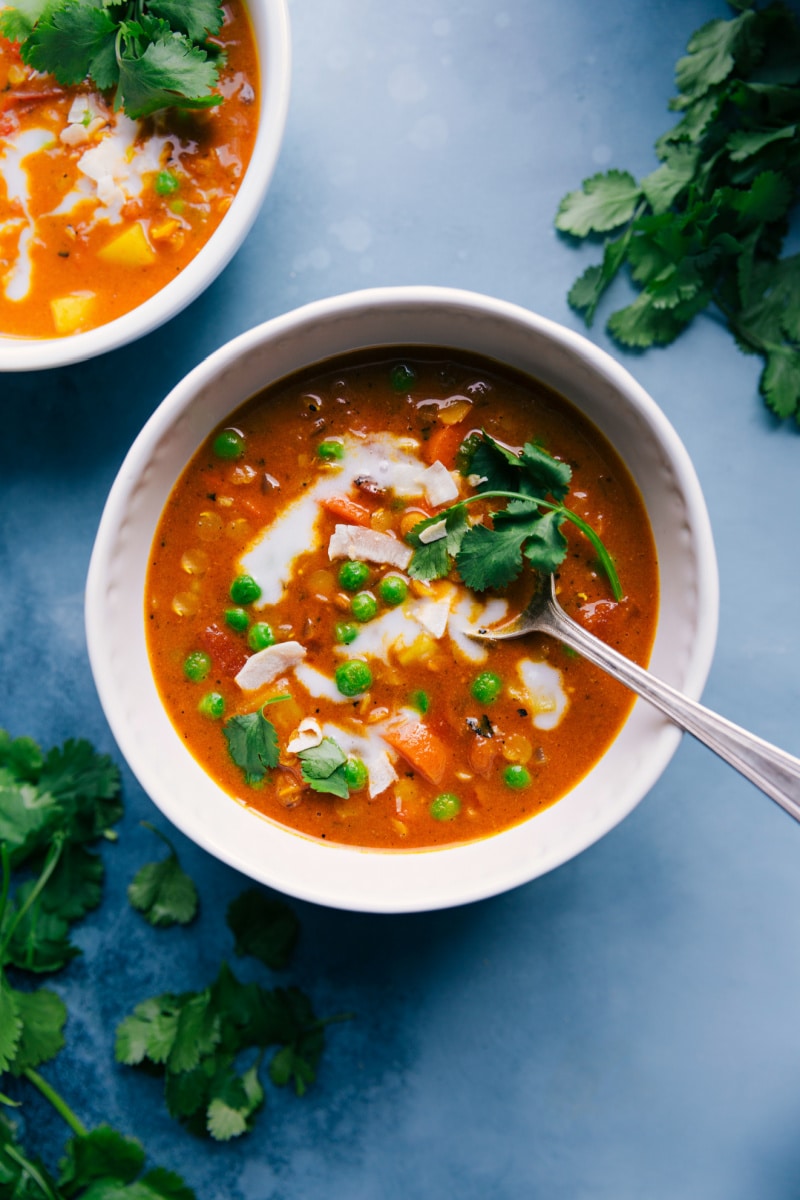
(321,683)
(99,211)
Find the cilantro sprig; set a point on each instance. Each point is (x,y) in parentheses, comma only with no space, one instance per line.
(527,530)
(209,1044)
(153,53)
(162,891)
(53,807)
(707,227)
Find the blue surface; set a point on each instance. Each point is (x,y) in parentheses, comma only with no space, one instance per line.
(626,1026)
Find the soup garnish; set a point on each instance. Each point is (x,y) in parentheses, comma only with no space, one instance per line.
(120,160)
(155,55)
(322,561)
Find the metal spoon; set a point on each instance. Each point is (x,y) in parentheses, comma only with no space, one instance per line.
(774,771)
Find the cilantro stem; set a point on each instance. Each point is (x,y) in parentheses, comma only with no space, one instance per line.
(5,866)
(31,1170)
(604,558)
(51,1095)
(53,855)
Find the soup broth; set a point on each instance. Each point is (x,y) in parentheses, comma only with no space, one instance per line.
(320,682)
(100,212)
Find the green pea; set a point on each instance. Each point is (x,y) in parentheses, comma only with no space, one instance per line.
(244,590)
(237,618)
(420,701)
(393,590)
(166,183)
(445,806)
(355,774)
(516,776)
(353,575)
(364,606)
(196,665)
(486,687)
(345,632)
(401,377)
(229,444)
(330,451)
(260,636)
(212,706)
(353,677)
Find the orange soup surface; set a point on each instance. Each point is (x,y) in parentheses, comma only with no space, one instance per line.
(310,670)
(100,212)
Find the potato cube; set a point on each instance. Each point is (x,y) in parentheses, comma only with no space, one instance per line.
(70,313)
(129,249)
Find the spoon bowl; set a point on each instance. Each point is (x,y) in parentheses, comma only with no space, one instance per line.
(775,771)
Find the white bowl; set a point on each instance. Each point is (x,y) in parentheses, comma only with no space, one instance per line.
(270,22)
(408,880)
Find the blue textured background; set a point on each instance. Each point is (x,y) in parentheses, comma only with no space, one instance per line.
(627,1026)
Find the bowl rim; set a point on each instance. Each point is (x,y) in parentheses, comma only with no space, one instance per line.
(270,21)
(361,877)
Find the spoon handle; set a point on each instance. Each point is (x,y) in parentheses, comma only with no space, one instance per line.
(774,771)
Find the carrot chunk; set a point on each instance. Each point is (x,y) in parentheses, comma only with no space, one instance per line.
(442,446)
(421,749)
(346,510)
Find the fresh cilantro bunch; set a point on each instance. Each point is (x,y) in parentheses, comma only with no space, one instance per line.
(526,531)
(53,806)
(154,53)
(209,1044)
(707,227)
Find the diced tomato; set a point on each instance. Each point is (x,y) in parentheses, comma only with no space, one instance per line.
(597,616)
(421,748)
(350,512)
(228,656)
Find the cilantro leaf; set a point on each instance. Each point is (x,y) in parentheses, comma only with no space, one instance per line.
(252,744)
(644,323)
(492,558)
(162,891)
(712,55)
(75,887)
(43,1015)
(323,768)
(10,1024)
(102,1153)
(40,940)
(431,560)
(780,381)
(67,39)
(17,23)
(263,927)
(604,202)
(588,290)
(233,1105)
(196,20)
(170,73)
(149,1032)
